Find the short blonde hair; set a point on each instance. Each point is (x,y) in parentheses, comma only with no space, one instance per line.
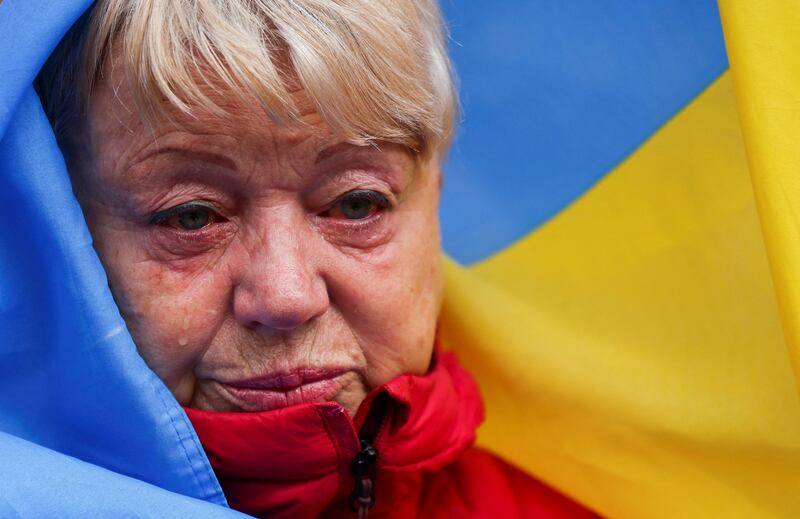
(375,70)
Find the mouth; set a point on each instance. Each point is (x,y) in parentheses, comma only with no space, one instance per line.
(283,389)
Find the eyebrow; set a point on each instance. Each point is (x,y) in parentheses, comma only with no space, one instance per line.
(330,151)
(205,156)
(228,163)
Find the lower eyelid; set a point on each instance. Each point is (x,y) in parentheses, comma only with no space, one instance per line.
(185,242)
(359,234)
(347,226)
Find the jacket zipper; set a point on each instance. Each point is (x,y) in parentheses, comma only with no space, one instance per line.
(363,496)
(366,461)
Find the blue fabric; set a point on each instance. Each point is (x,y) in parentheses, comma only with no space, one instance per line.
(555,95)
(71,380)
(37,482)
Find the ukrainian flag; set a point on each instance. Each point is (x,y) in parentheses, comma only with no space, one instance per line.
(620,210)
(614,295)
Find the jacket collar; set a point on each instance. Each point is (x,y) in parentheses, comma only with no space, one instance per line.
(264,459)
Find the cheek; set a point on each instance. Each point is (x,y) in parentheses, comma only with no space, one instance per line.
(391,298)
(172,316)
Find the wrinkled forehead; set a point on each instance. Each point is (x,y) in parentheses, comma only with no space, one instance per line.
(243,140)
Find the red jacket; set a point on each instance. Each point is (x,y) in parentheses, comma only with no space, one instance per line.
(300,461)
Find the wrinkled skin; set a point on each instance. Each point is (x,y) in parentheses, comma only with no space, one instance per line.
(276,270)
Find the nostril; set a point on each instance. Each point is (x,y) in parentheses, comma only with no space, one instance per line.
(252,325)
(280,291)
(259,309)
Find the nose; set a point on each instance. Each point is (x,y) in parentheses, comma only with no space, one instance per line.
(280,286)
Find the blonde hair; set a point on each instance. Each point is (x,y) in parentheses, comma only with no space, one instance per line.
(375,70)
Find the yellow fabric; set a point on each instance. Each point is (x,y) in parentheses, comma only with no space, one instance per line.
(630,351)
(763,40)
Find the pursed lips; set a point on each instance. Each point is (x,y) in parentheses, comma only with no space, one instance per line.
(283,389)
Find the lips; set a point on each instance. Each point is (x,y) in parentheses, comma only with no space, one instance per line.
(283,389)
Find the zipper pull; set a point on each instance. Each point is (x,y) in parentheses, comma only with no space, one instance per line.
(363,496)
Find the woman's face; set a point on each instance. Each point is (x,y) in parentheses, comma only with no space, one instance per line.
(259,266)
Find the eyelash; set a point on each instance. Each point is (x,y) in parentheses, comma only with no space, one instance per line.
(376,198)
(161,217)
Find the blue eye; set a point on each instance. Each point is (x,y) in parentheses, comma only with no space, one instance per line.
(189,217)
(356,208)
(357,205)
(193,219)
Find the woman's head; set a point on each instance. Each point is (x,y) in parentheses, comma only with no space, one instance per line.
(261,181)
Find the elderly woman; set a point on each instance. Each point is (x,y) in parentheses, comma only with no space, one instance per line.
(261,180)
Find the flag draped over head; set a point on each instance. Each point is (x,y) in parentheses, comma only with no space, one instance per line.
(613,290)
(86,429)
